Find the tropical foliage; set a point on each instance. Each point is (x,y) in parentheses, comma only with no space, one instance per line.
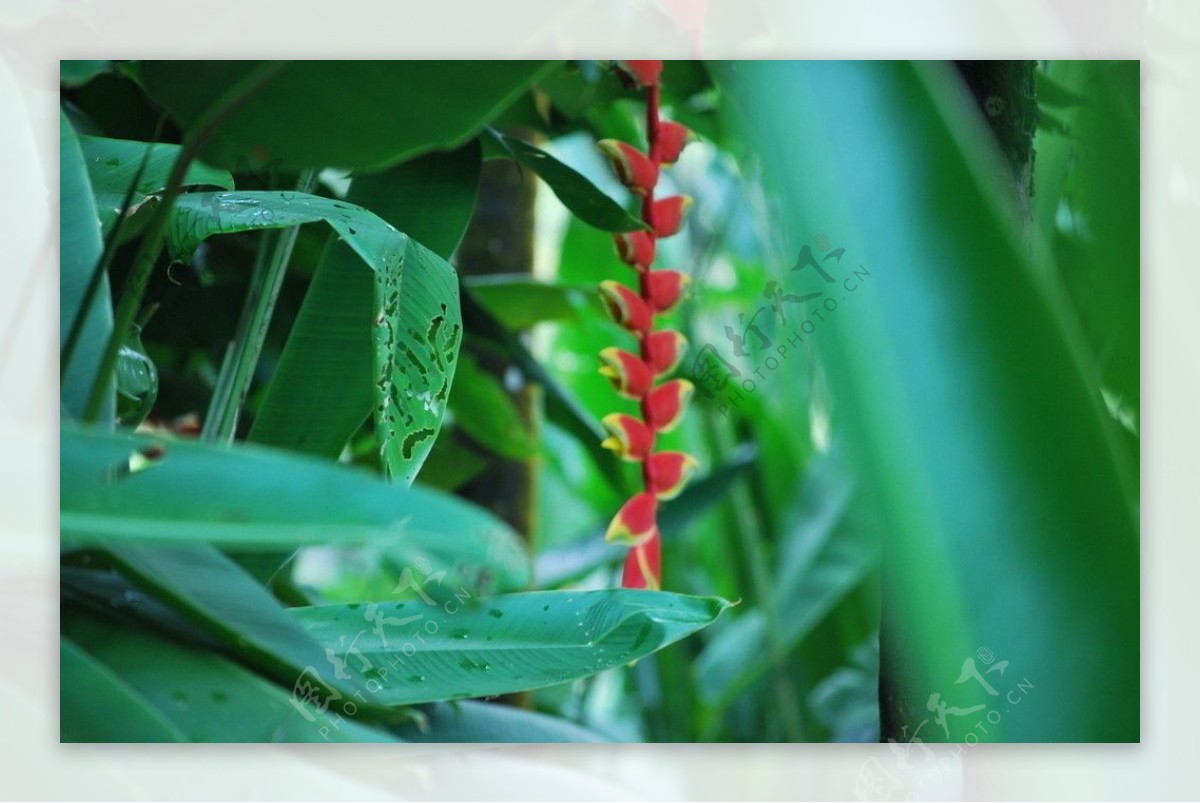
(322,482)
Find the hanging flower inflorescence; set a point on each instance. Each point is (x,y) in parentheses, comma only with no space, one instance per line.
(639,376)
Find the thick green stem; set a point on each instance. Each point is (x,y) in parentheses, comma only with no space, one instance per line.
(242,357)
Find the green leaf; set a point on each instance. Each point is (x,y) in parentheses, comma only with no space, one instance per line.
(209,590)
(1097,244)
(971,404)
(75,73)
(474,722)
(467,647)
(484,410)
(562,407)
(80,248)
(323,387)
(200,696)
(827,552)
(96,705)
(519,301)
(579,195)
(416,320)
(130,489)
(113,164)
(361,115)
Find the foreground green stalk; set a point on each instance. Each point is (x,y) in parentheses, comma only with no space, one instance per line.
(242,357)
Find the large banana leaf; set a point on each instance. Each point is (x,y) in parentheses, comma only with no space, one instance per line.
(975,410)
(415,315)
(366,115)
(425,650)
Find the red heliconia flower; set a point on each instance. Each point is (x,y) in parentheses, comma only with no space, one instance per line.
(636,248)
(636,170)
(629,375)
(669,472)
(663,350)
(665,287)
(634,375)
(671,139)
(629,437)
(634,522)
(643,565)
(645,73)
(669,214)
(664,406)
(626,307)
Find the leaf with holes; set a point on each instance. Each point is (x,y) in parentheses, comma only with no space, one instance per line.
(417,322)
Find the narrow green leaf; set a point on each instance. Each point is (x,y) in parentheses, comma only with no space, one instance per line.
(416,320)
(113,164)
(415,652)
(362,115)
(80,248)
(578,194)
(96,705)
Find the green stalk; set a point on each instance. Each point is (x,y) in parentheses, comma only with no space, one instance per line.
(754,553)
(237,370)
(152,241)
(101,269)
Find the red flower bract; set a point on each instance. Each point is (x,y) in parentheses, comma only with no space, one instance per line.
(669,214)
(664,288)
(626,307)
(669,473)
(664,405)
(663,350)
(646,73)
(634,522)
(671,139)
(630,376)
(629,437)
(636,170)
(636,248)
